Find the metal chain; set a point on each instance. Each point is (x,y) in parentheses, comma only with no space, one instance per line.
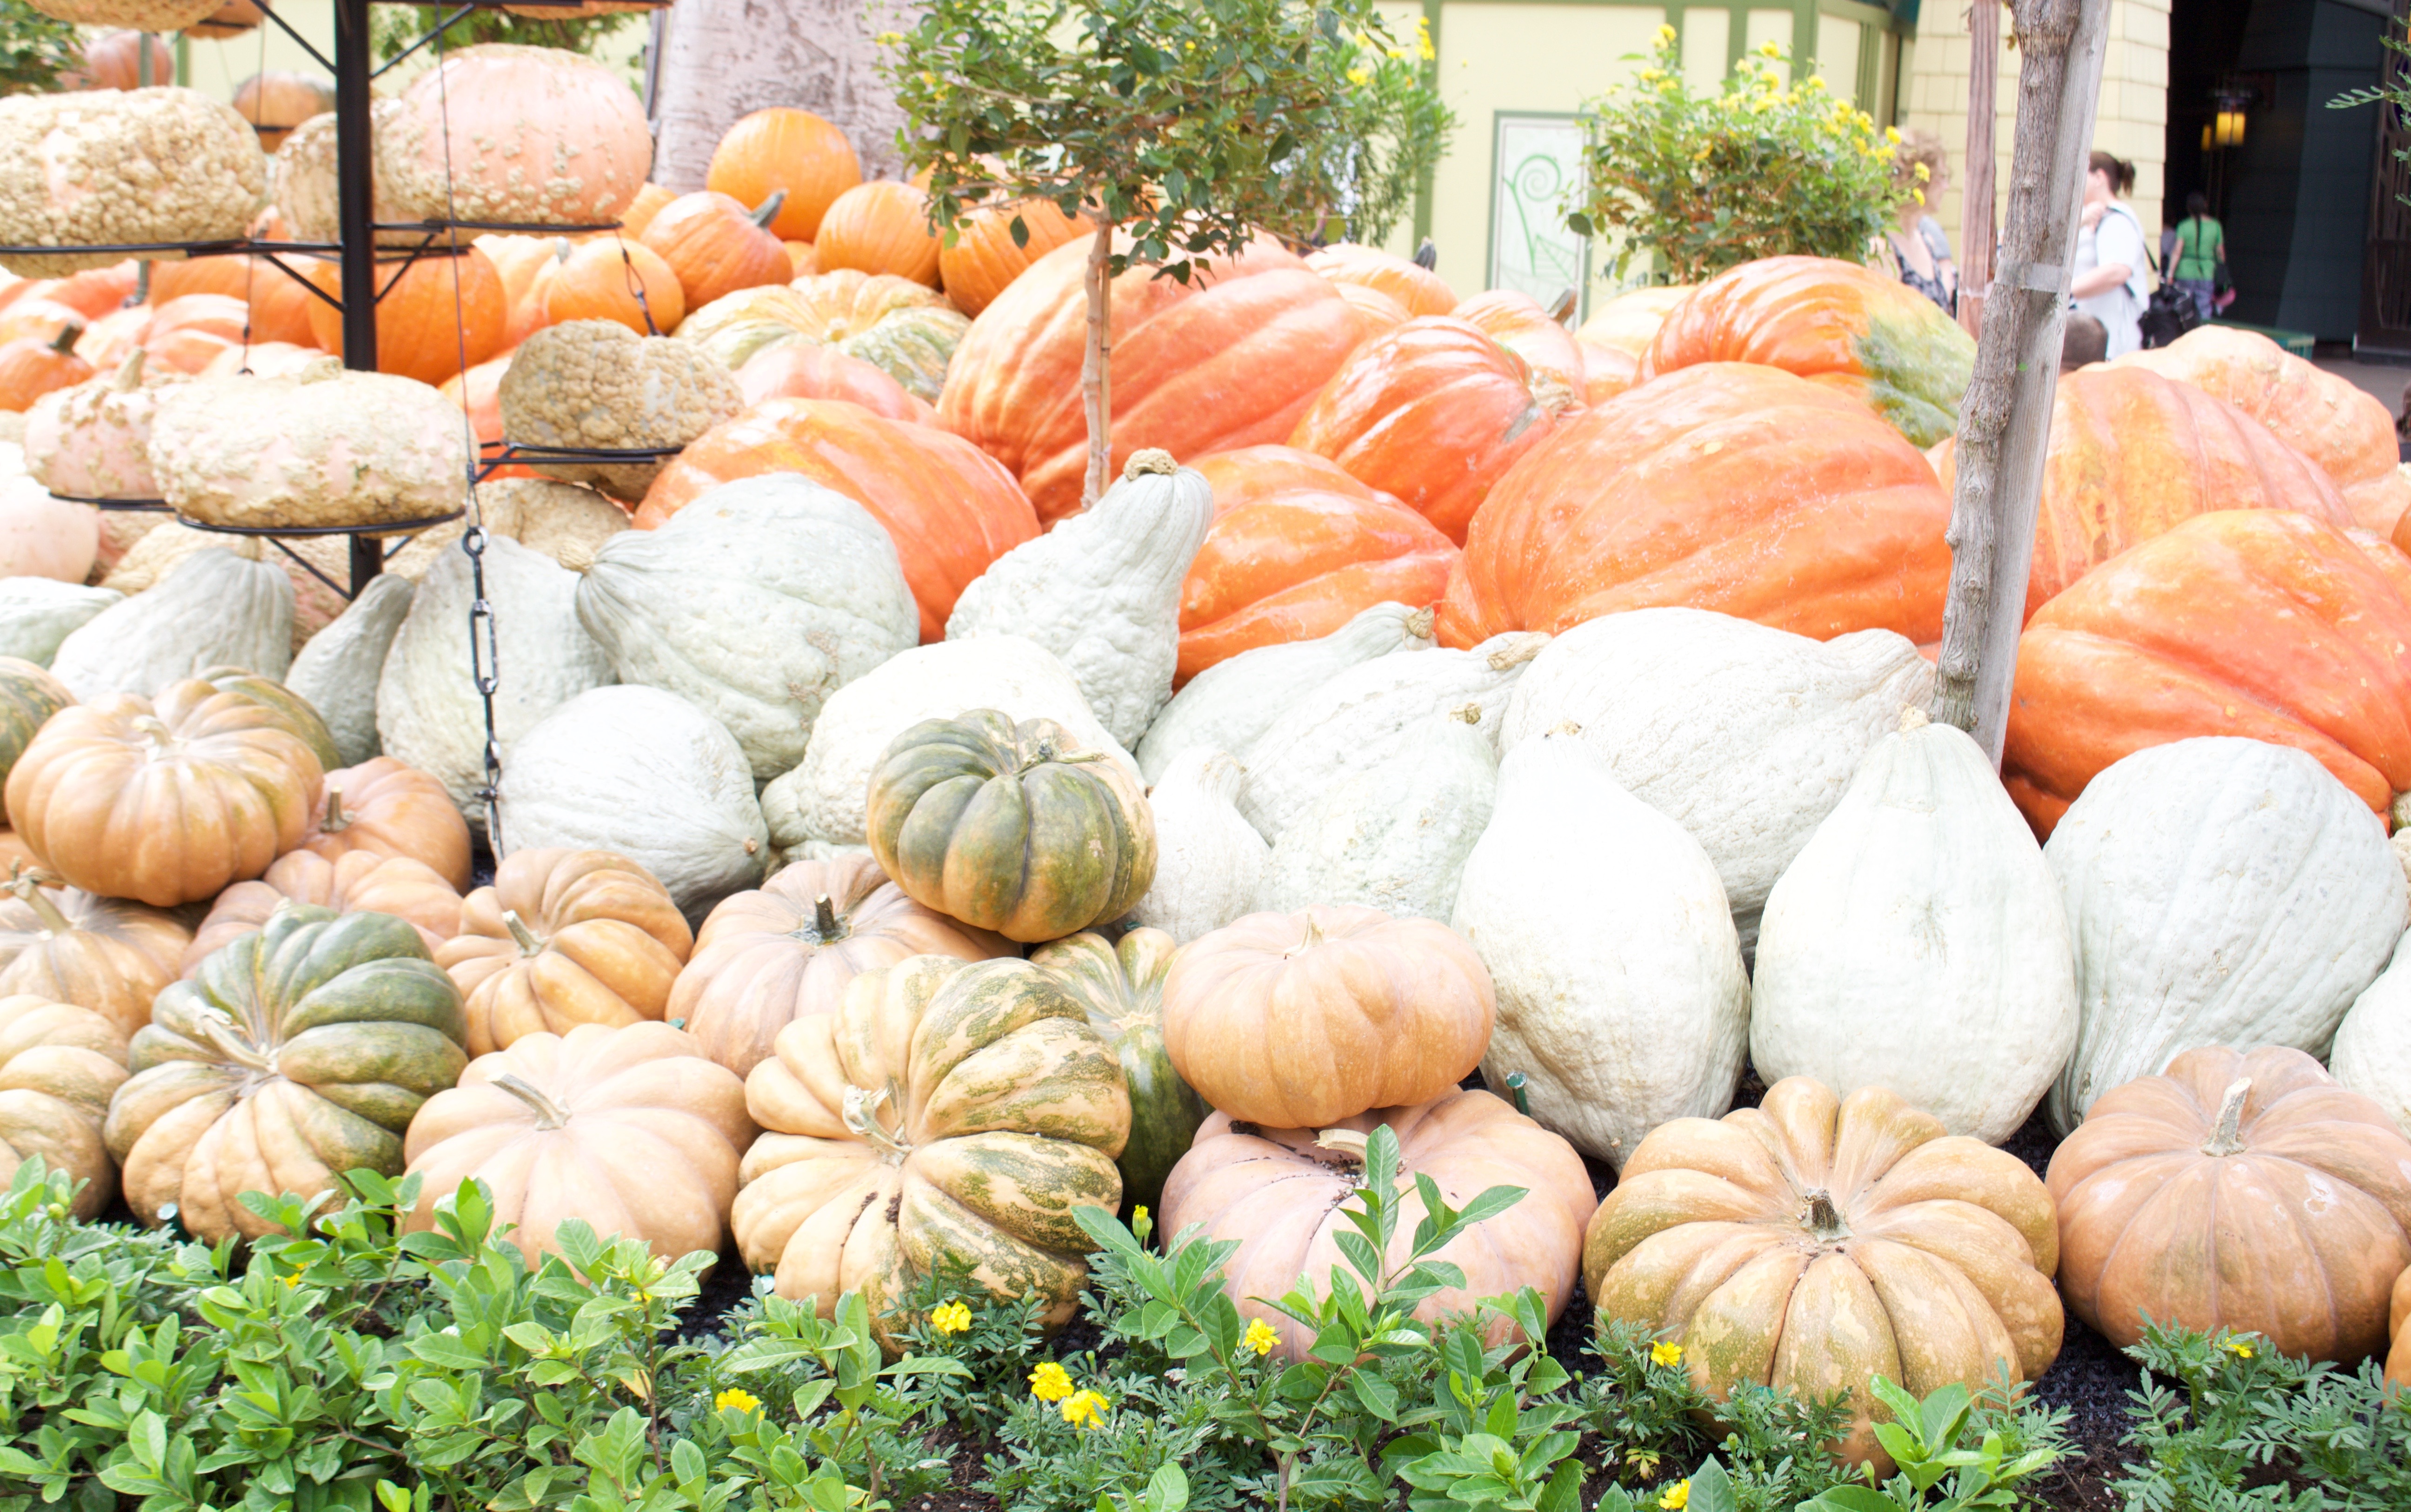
(485,666)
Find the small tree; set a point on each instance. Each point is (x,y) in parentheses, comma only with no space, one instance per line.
(35,49)
(1764,167)
(395,29)
(1180,130)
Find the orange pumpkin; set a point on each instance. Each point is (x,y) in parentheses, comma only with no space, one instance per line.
(1377,313)
(479,394)
(2258,622)
(2398,1313)
(1607,371)
(388,809)
(186,333)
(1628,322)
(803,258)
(800,369)
(2132,454)
(1434,413)
(716,246)
(71,946)
(785,147)
(1231,359)
(1298,548)
(435,316)
(1421,291)
(1724,487)
(30,368)
(649,201)
(517,259)
(881,226)
(600,281)
(1516,322)
(97,291)
(279,304)
(528,314)
(950,509)
(984,258)
(115,61)
(361,881)
(275,103)
(38,317)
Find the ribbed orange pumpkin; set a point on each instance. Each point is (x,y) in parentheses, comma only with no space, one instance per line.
(881,226)
(1377,313)
(358,882)
(1724,486)
(479,394)
(1607,371)
(1421,291)
(717,246)
(1297,550)
(188,332)
(599,280)
(2256,622)
(425,329)
(115,61)
(1516,322)
(389,810)
(784,148)
(652,198)
(983,260)
(802,370)
(279,304)
(517,258)
(38,317)
(2132,454)
(30,368)
(1231,359)
(1433,413)
(275,103)
(96,291)
(950,509)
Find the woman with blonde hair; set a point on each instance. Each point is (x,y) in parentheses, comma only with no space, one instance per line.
(1919,246)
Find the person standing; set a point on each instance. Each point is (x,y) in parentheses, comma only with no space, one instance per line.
(1920,247)
(2200,248)
(2111,256)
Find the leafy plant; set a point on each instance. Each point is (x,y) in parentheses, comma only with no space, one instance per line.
(35,49)
(1926,1441)
(395,29)
(1502,1430)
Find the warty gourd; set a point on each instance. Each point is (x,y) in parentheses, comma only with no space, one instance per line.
(596,384)
(111,167)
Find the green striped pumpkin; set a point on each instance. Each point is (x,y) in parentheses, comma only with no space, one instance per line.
(1121,987)
(29,695)
(293,711)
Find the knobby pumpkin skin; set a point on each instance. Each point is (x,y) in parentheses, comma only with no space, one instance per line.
(1299,1019)
(1120,984)
(1727,487)
(2243,1191)
(387,809)
(69,946)
(298,1053)
(949,1115)
(630,1130)
(766,958)
(29,695)
(1277,1194)
(564,937)
(59,1065)
(1013,828)
(1813,1243)
(2263,623)
(359,881)
(1839,324)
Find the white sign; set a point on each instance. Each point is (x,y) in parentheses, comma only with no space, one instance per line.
(1536,163)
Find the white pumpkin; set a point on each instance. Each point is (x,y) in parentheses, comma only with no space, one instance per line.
(1209,861)
(1393,837)
(1227,705)
(429,714)
(339,668)
(1744,733)
(1102,590)
(2220,892)
(215,609)
(41,536)
(2373,1045)
(824,798)
(647,775)
(1622,1001)
(1917,943)
(1357,720)
(754,603)
(37,612)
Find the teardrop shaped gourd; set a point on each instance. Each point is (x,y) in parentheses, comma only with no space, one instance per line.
(1209,861)
(1120,983)
(69,945)
(564,937)
(357,882)
(59,1065)
(1396,835)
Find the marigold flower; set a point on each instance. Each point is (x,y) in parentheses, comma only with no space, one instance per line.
(1891,135)
(1665,34)
(1086,1409)
(1050,1382)
(1770,49)
(743,1401)
(1259,1337)
(1676,1497)
(1359,76)
(950,1318)
(1666,1353)
(292,1280)
(2240,1348)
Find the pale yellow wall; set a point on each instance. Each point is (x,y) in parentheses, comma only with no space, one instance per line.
(216,67)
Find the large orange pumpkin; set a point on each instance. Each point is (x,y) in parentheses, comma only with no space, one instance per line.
(984,259)
(359,882)
(1231,359)
(278,303)
(784,148)
(1298,549)
(614,279)
(1724,487)
(804,369)
(96,291)
(2256,622)
(30,368)
(881,226)
(1433,413)
(1516,322)
(950,510)
(188,332)
(651,200)
(716,246)
(1421,291)
(2132,454)
(434,315)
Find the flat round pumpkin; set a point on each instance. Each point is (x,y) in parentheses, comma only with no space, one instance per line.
(59,1065)
(767,957)
(2243,1191)
(386,808)
(296,1054)
(1120,984)
(1299,1020)
(630,1130)
(1517,323)
(948,1117)
(293,711)
(564,937)
(357,882)
(71,946)
(1813,1243)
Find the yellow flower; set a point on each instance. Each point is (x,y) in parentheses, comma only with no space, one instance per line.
(292,1280)
(1665,34)
(950,1318)
(1891,135)
(1399,54)
(1259,1337)
(1676,1497)
(2240,1348)
(1050,1382)
(1086,1409)
(1666,1353)
(890,38)
(1770,49)
(1359,76)
(736,1397)
(1923,173)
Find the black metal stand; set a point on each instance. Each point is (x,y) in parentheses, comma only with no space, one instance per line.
(367,543)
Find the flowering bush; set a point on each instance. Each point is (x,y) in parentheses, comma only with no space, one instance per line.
(1761,168)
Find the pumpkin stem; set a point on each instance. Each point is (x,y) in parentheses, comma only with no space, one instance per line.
(1313,938)
(68,335)
(767,211)
(2226,1136)
(1912,718)
(826,927)
(336,820)
(522,935)
(861,1115)
(1153,459)
(549,1114)
(1824,1220)
(130,373)
(26,882)
(1470,714)
(2398,811)
(218,1030)
(1347,1141)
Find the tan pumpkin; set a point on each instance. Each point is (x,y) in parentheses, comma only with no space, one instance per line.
(59,1065)
(564,937)
(275,103)
(2398,1313)
(629,1128)
(361,881)
(104,955)
(386,808)
(766,958)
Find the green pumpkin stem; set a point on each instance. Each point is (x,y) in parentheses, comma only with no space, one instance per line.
(861,1115)
(767,211)
(1824,1220)
(26,882)
(336,820)
(218,1030)
(549,1114)
(2227,1135)
(521,936)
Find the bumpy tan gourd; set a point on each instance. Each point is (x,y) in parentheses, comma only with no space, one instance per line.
(301,179)
(92,441)
(500,133)
(120,166)
(597,383)
(141,15)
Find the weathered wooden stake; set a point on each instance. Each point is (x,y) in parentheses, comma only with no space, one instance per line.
(1975,232)
(2005,422)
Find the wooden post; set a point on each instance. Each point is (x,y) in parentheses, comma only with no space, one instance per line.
(1976,234)
(2004,421)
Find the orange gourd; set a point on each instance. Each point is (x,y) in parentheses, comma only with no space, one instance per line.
(881,226)
(639,214)
(186,333)
(30,368)
(1607,371)
(1628,322)
(479,394)
(800,369)
(361,881)
(1421,291)
(600,280)
(435,316)
(984,260)
(785,147)
(716,246)
(2398,1313)
(41,318)
(101,954)
(528,314)
(278,303)
(1516,322)
(387,809)
(275,103)
(115,61)
(1377,313)
(97,291)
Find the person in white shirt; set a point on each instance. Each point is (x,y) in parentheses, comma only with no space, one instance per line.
(2107,283)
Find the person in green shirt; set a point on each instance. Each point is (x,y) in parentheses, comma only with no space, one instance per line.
(2202,246)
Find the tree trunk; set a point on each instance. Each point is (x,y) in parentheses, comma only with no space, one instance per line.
(2004,421)
(1096,369)
(1976,234)
(723,60)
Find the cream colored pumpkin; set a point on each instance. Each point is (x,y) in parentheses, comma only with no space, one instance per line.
(529,135)
(1396,835)
(93,440)
(59,1065)
(215,609)
(41,536)
(38,612)
(1209,861)
(338,669)
(2373,1045)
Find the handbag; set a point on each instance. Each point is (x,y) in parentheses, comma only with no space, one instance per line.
(2171,313)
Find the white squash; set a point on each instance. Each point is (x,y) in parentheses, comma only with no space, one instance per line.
(824,798)
(1209,861)
(2220,892)
(41,536)
(1102,590)
(1621,997)
(339,668)
(1393,837)
(1744,733)
(1916,942)
(754,603)
(1357,720)
(2373,1045)
(647,775)
(429,714)
(1227,705)
(37,612)
(215,609)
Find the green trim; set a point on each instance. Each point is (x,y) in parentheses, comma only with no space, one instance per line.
(1423,190)
(185,59)
(1490,214)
